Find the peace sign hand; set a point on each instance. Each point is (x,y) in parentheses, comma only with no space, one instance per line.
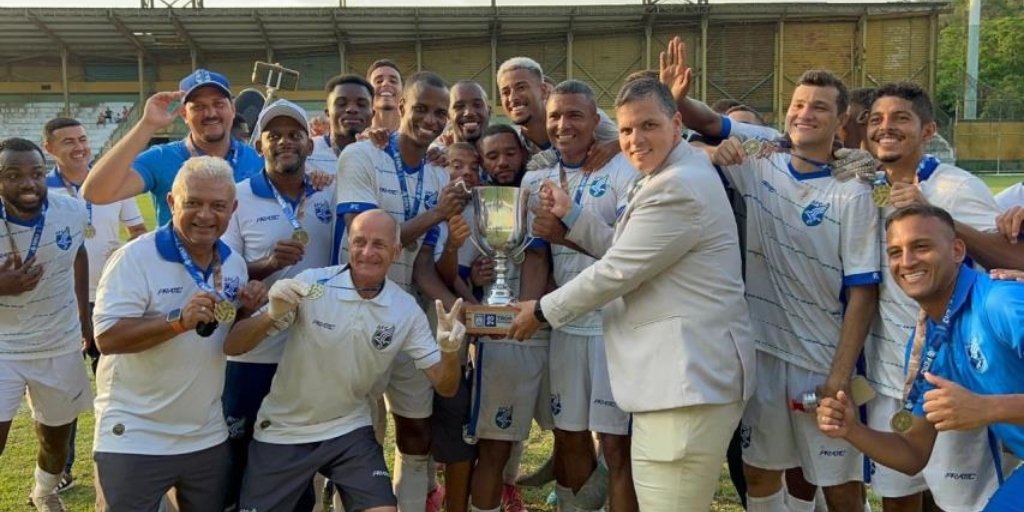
(450,331)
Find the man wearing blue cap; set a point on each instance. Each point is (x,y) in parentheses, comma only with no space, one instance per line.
(130,169)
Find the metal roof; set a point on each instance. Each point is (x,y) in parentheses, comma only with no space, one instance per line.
(116,34)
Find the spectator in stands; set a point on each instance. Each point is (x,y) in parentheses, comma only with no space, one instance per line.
(101,120)
(125,111)
(130,169)
(108,114)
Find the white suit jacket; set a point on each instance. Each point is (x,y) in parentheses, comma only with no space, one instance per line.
(677,330)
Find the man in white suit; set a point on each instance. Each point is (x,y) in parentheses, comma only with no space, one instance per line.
(677,331)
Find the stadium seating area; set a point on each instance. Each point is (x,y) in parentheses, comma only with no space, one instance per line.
(27,119)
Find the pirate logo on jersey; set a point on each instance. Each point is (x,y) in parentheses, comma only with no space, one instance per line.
(382,336)
(814,213)
(599,187)
(63,239)
(430,200)
(503,419)
(231,286)
(745,435)
(976,355)
(323,211)
(556,404)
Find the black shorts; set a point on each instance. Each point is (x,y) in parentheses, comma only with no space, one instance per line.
(448,425)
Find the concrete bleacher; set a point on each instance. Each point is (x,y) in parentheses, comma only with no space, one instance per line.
(26,120)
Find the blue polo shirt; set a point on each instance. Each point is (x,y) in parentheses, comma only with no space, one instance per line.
(985,352)
(159,164)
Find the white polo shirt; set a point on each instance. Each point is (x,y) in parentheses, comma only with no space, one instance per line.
(808,237)
(969,201)
(43,322)
(338,347)
(367,179)
(256,226)
(106,219)
(164,400)
(322,157)
(604,193)
(1011,196)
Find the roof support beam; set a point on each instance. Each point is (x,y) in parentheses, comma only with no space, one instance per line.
(179,27)
(61,45)
(120,26)
(263,33)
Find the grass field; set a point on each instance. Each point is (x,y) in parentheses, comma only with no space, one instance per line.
(17,462)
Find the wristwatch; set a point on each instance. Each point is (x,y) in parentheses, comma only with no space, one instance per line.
(174,319)
(538,313)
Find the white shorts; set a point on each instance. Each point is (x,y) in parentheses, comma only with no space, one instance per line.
(777,438)
(961,472)
(510,388)
(581,393)
(409,393)
(58,388)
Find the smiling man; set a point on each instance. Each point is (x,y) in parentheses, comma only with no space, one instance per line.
(349,112)
(386,79)
(129,168)
(469,111)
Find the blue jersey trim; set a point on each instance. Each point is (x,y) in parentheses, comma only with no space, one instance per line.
(865,279)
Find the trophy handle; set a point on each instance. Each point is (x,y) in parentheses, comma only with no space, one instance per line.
(522,249)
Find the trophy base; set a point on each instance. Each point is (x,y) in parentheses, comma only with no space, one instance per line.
(486,320)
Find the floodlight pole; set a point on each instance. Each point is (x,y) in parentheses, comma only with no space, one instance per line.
(973,36)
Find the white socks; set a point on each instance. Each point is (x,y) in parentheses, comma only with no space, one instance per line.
(794,504)
(474,509)
(411,481)
(773,503)
(46,483)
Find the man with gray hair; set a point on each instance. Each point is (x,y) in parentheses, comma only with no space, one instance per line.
(581,397)
(670,287)
(163,309)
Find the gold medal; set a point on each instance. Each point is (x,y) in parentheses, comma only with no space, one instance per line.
(519,257)
(901,421)
(316,290)
(301,236)
(224,312)
(752,147)
(89,231)
(880,194)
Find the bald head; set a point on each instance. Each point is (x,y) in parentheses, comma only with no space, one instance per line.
(376,223)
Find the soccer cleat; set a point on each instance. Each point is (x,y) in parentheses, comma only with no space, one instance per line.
(49,503)
(541,477)
(435,499)
(511,500)
(67,481)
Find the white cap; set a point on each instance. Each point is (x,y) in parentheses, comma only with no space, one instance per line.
(282,108)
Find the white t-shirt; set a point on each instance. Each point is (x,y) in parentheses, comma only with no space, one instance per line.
(1011,196)
(338,347)
(968,200)
(808,236)
(107,220)
(322,157)
(165,400)
(43,322)
(368,178)
(257,225)
(605,193)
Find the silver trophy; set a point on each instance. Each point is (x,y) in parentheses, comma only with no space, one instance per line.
(500,232)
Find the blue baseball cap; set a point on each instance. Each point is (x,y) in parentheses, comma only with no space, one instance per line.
(203,78)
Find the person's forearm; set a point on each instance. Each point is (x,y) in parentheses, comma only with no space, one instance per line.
(991,250)
(1005,408)
(448,266)
(426,278)
(260,269)
(82,287)
(534,274)
(134,335)
(860,311)
(413,229)
(462,289)
(888,449)
(111,179)
(451,368)
(699,117)
(246,334)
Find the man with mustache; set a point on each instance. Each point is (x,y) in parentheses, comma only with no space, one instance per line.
(899,123)
(399,180)
(386,79)
(44,311)
(349,112)
(129,168)
(282,226)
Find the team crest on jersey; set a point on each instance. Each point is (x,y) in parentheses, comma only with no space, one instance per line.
(814,213)
(977,356)
(323,211)
(63,239)
(430,200)
(745,435)
(556,404)
(382,336)
(599,187)
(503,419)
(231,286)
(236,427)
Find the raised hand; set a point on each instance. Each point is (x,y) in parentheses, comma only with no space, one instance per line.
(319,179)
(950,406)
(673,70)
(450,330)
(482,271)
(599,154)
(729,152)
(1010,223)
(458,231)
(906,194)
(836,415)
(158,112)
(287,252)
(252,296)
(17,277)
(285,296)
(554,199)
(198,309)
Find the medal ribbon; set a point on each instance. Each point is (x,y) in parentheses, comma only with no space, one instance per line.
(401,169)
(917,366)
(73,192)
(198,275)
(292,211)
(37,233)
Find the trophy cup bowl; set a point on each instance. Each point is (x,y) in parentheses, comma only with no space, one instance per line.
(500,232)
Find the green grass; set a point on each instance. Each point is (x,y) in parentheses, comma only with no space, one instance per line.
(17,462)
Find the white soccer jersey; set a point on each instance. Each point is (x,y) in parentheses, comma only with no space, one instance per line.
(164,400)
(368,178)
(338,346)
(43,322)
(969,201)
(1011,196)
(745,131)
(605,192)
(257,225)
(808,236)
(106,220)
(322,157)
